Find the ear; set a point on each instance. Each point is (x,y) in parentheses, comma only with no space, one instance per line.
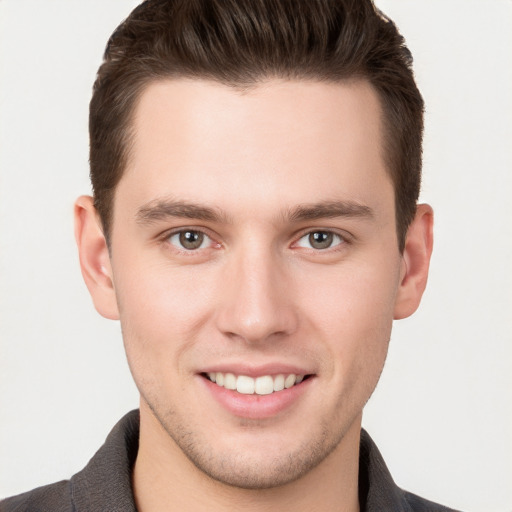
(415,262)
(94,257)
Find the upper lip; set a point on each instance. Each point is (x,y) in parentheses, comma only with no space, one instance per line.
(275,368)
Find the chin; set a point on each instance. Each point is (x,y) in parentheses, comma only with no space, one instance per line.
(256,460)
(248,472)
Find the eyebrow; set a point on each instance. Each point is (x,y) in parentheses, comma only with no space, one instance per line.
(162,209)
(329,209)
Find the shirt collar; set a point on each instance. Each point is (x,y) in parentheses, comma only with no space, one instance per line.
(105,483)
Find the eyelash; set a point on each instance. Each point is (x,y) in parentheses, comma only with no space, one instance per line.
(166,237)
(341,240)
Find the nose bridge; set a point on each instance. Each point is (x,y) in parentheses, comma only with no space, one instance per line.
(255,304)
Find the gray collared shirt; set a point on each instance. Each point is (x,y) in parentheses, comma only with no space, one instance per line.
(104,485)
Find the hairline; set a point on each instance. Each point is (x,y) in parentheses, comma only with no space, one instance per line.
(245,87)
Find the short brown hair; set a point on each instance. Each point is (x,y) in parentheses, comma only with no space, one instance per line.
(242,42)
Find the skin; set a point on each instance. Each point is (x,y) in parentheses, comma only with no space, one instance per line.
(255,172)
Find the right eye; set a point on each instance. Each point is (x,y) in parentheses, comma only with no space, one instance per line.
(320,240)
(190,240)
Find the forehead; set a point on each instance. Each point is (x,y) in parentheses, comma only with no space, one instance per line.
(281,142)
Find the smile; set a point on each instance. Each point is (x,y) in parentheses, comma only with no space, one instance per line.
(264,385)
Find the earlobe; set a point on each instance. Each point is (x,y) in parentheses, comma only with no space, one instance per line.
(94,257)
(415,262)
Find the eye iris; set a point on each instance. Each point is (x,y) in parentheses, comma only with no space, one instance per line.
(191,239)
(320,239)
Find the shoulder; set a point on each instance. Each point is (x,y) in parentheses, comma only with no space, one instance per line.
(378,491)
(418,504)
(49,498)
(104,484)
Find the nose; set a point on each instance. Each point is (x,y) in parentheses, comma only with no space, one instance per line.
(255,300)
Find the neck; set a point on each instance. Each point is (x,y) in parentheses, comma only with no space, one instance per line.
(164,479)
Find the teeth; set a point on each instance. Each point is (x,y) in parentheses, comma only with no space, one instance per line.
(278,382)
(245,385)
(264,385)
(229,381)
(289,381)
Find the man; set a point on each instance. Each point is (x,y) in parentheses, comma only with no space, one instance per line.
(255,227)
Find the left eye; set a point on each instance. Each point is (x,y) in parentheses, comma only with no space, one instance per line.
(320,240)
(189,240)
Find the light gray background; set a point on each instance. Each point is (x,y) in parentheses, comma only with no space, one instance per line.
(442,412)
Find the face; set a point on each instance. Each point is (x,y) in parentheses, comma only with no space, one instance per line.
(254,244)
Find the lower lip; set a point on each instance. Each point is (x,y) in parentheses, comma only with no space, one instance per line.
(257,406)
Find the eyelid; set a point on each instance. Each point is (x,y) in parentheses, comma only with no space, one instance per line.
(166,235)
(346,238)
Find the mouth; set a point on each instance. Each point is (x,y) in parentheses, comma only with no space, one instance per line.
(262,385)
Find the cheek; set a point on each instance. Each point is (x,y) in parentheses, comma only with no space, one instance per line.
(162,309)
(353,312)
(353,297)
